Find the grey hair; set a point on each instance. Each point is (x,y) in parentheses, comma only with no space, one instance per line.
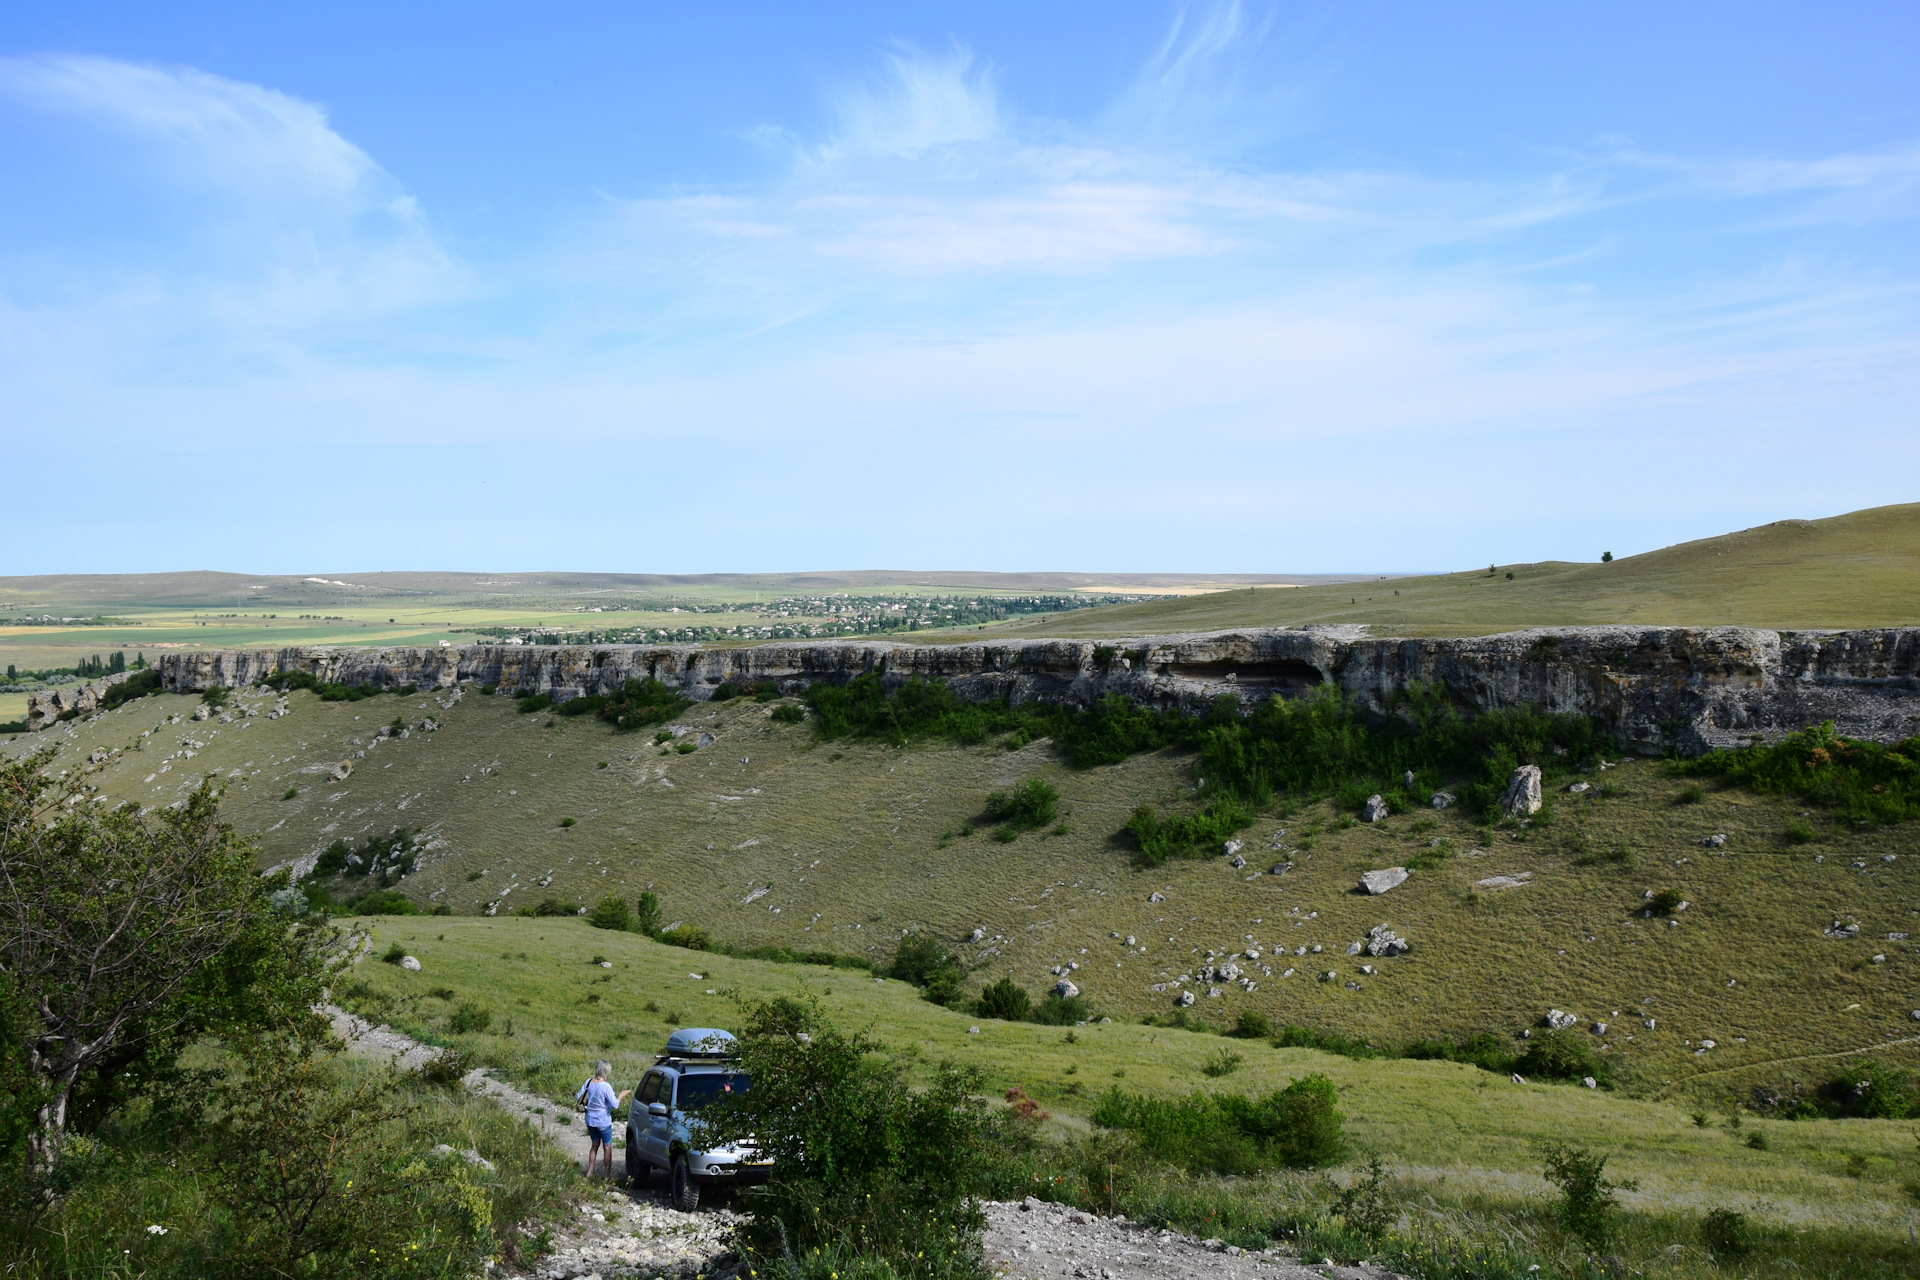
(603,1070)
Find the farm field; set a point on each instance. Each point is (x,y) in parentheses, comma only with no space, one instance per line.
(1855,570)
(74,617)
(1449,1128)
(766,836)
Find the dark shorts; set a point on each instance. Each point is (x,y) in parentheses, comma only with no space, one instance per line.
(601,1133)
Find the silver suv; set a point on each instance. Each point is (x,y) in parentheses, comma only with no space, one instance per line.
(664,1130)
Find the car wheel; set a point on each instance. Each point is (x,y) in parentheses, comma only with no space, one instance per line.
(685,1194)
(636,1167)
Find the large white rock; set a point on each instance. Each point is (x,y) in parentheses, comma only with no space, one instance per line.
(1560,1020)
(1522,797)
(1065,989)
(1381,881)
(409,962)
(1374,810)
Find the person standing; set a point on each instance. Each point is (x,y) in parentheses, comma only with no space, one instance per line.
(600,1102)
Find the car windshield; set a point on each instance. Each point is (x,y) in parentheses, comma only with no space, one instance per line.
(696,1091)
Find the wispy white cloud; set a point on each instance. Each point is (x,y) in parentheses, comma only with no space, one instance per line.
(277,219)
(916,102)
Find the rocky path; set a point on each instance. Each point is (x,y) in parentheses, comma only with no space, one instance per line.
(630,1231)
(1034,1240)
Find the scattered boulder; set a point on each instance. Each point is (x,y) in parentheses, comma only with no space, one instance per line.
(1355,948)
(1560,1020)
(410,962)
(1378,882)
(1504,882)
(1522,796)
(1156,897)
(1406,780)
(1236,862)
(1374,810)
(202,712)
(1599,1028)
(1713,841)
(1232,847)
(1589,1082)
(1382,941)
(340,772)
(1065,989)
(1184,1000)
(1518,1079)
(1579,788)
(978,935)
(1441,799)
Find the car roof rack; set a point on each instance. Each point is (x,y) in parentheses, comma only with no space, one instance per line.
(700,1044)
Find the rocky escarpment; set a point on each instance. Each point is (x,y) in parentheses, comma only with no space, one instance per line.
(49,705)
(1688,688)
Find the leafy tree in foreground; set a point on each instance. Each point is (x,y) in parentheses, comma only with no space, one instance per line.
(865,1168)
(127,938)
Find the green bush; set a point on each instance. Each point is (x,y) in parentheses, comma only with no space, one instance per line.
(551,907)
(1059,1011)
(467,1018)
(787,713)
(866,1168)
(134,686)
(611,912)
(1727,1234)
(1006,1000)
(1295,1037)
(1665,902)
(1869,1090)
(641,703)
(1588,1200)
(1560,1055)
(646,916)
(585,704)
(920,960)
(1298,1127)
(1863,783)
(1251,1026)
(531,702)
(1483,1049)
(1195,835)
(395,954)
(1033,803)
(690,938)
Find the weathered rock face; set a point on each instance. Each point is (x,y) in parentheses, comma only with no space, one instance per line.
(1522,796)
(1689,688)
(49,705)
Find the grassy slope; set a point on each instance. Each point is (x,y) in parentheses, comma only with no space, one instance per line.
(853,844)
(1856,570)
(1433,1120)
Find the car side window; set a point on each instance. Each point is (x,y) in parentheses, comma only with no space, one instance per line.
(650,1089)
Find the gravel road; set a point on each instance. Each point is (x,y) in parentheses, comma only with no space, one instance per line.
(624,1232)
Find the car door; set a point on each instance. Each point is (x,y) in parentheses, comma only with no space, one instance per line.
(655,1131)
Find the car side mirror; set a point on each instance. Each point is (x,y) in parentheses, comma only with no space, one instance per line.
(656,1108)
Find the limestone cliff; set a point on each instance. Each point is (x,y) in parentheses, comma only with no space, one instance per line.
(1690,688)
(49,705)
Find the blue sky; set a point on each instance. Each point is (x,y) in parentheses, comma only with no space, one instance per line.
(1231,287)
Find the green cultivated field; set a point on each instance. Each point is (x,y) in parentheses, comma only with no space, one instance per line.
(1451,1129)
(1856,570)
(152,613)
(766,837)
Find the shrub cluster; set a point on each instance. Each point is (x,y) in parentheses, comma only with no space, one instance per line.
(1298,1127)
(327,691)
(871,1177)
(1865,783)
(1318,745)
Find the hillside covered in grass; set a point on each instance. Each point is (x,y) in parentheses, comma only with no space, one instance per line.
(1794,944)
(1855,570)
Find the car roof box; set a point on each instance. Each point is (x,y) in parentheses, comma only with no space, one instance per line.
(702,1042)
